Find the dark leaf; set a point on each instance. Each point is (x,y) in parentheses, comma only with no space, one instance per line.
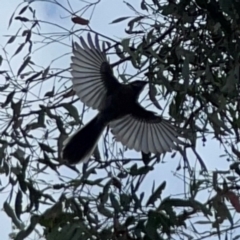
(19,49)
(23,10)
(16,107)
(143,5)
(22,19)
(125,201)
(234,200)
(152,96)
(34,125)
(157,193)
(104,195)
(23,234)
(8,99)
(35,24)
(41,118)
(236,152)
(115,203)
(73,112)
(6,168)
(22,182)
(4,87)
(80,21)
(119,20)
(116,183)
(19,154)
(25,32)
(12,38)
(133,21)
(141,170)
(45,72)
(153,221)
(9,211)
(30,79)
(28,37)
(68,94)
(10,20)
(50,93)
(18,204)
(104,211)
(25,63)
(46,148)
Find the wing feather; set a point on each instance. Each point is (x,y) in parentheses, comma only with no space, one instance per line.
(144,131)
(92,75)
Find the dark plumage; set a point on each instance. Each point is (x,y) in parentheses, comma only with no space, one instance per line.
(132,125)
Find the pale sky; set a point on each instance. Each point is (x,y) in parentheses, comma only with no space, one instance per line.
(105,13)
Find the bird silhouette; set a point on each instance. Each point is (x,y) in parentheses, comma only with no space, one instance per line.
(96,86)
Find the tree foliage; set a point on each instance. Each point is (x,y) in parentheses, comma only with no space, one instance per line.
(189,51)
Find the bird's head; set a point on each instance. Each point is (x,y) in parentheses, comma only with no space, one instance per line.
(138,86)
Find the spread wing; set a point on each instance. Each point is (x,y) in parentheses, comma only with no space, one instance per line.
(92,75)
(144,131)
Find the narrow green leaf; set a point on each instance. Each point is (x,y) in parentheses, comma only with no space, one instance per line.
(46,148)
(4,87)
(19,49)
(143,5)
(28,37)
(133,21)
(72,110)
(34,125)
(156,194)
(11,39)
(45,72)
(125,43)
(9,211)
(10,20)
(19,154)
(33,77)
(152,96)
(23,10)
(119,20)
(115,203)
(105,194)
(152,224)
(141,170)
(18,204)
(213,117)
(24,64)
(24,233)
(22,19)
(8,99)
(104,211)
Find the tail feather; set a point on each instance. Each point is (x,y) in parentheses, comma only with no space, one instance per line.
(80,146)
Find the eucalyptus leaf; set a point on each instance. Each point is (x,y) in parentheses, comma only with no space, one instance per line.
(119,20)
(72,110)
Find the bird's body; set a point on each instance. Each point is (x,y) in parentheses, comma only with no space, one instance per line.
(118,106)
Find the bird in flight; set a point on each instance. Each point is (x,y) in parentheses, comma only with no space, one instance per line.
(131,124)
